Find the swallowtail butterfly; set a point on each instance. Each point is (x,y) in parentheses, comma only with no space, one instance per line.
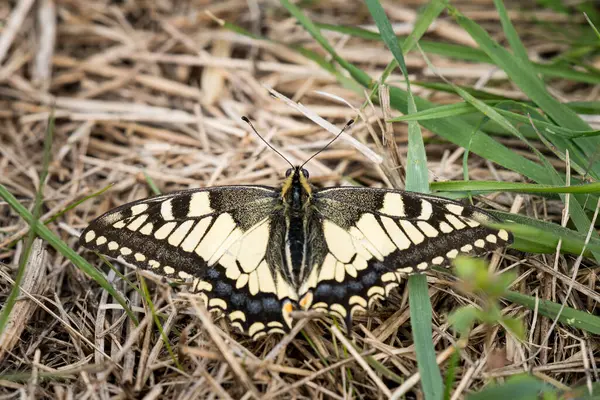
(256,253)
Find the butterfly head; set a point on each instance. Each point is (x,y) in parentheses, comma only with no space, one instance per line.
(296,190)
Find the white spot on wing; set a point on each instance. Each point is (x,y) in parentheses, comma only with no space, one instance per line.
(177,237)
(265,278)
(339,309)
(119,224)
(255,328)
(204,286)
(388,277)
(375,290)
(241,281)
(351,270)
(452,253)
(217,303)
(413,233)
(232,271)
(215,237)
(426,210)
(357,300)
(455,208)
(375,234)
(309,283)
(139,208)
(166,210)
(427,229)
(199,204)
(364,248)
(237,315)
(327,268)
(90,236)
(253,246)
(231,241)
(169,270)
(393,204)
(135,225)
(338,240)
(472,223)
(184,275)
(340,271)
(147,229)
(458,224)
(193,238)
(400,240)
(502,234)
(165,230)
(445,227)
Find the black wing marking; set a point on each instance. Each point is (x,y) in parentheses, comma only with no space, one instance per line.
(375,236)
(218,238)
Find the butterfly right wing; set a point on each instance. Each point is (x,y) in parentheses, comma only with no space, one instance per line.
(225,240)
(369,238)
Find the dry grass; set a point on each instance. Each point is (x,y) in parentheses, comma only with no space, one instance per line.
(158,88)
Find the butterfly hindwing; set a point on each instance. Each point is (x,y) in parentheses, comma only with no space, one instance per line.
(372,237)
(218,238)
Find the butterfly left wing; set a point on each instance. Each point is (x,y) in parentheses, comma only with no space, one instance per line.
(371,237)
(223,239)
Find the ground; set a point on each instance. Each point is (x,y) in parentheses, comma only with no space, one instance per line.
(148,96)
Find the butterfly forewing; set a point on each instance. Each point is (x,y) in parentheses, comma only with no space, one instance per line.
(372,237)
(223,240)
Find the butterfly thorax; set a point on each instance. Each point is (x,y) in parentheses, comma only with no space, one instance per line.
(296,195)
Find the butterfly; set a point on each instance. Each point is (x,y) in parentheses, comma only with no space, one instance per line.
(257,253)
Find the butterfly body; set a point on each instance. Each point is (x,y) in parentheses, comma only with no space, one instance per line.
(257,253)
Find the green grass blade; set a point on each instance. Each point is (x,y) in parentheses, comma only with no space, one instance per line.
(569,316)
(524,75)
(466,53)
(532,239)
(456,130)
(151,184)
(163,334)
(495,186)
(60,246)
(37,210)
(456,109)
(517,388)
(75,204)
(417,179)
(420,319)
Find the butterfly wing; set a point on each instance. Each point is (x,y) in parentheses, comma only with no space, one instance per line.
(226,240)
(371,237)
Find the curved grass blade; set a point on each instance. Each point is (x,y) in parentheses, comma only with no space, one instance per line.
(495,186)
(569,316)
(417,179)
(60,246)
(37,210)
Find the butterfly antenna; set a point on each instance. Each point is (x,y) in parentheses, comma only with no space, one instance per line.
(246,120)
(348,125)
